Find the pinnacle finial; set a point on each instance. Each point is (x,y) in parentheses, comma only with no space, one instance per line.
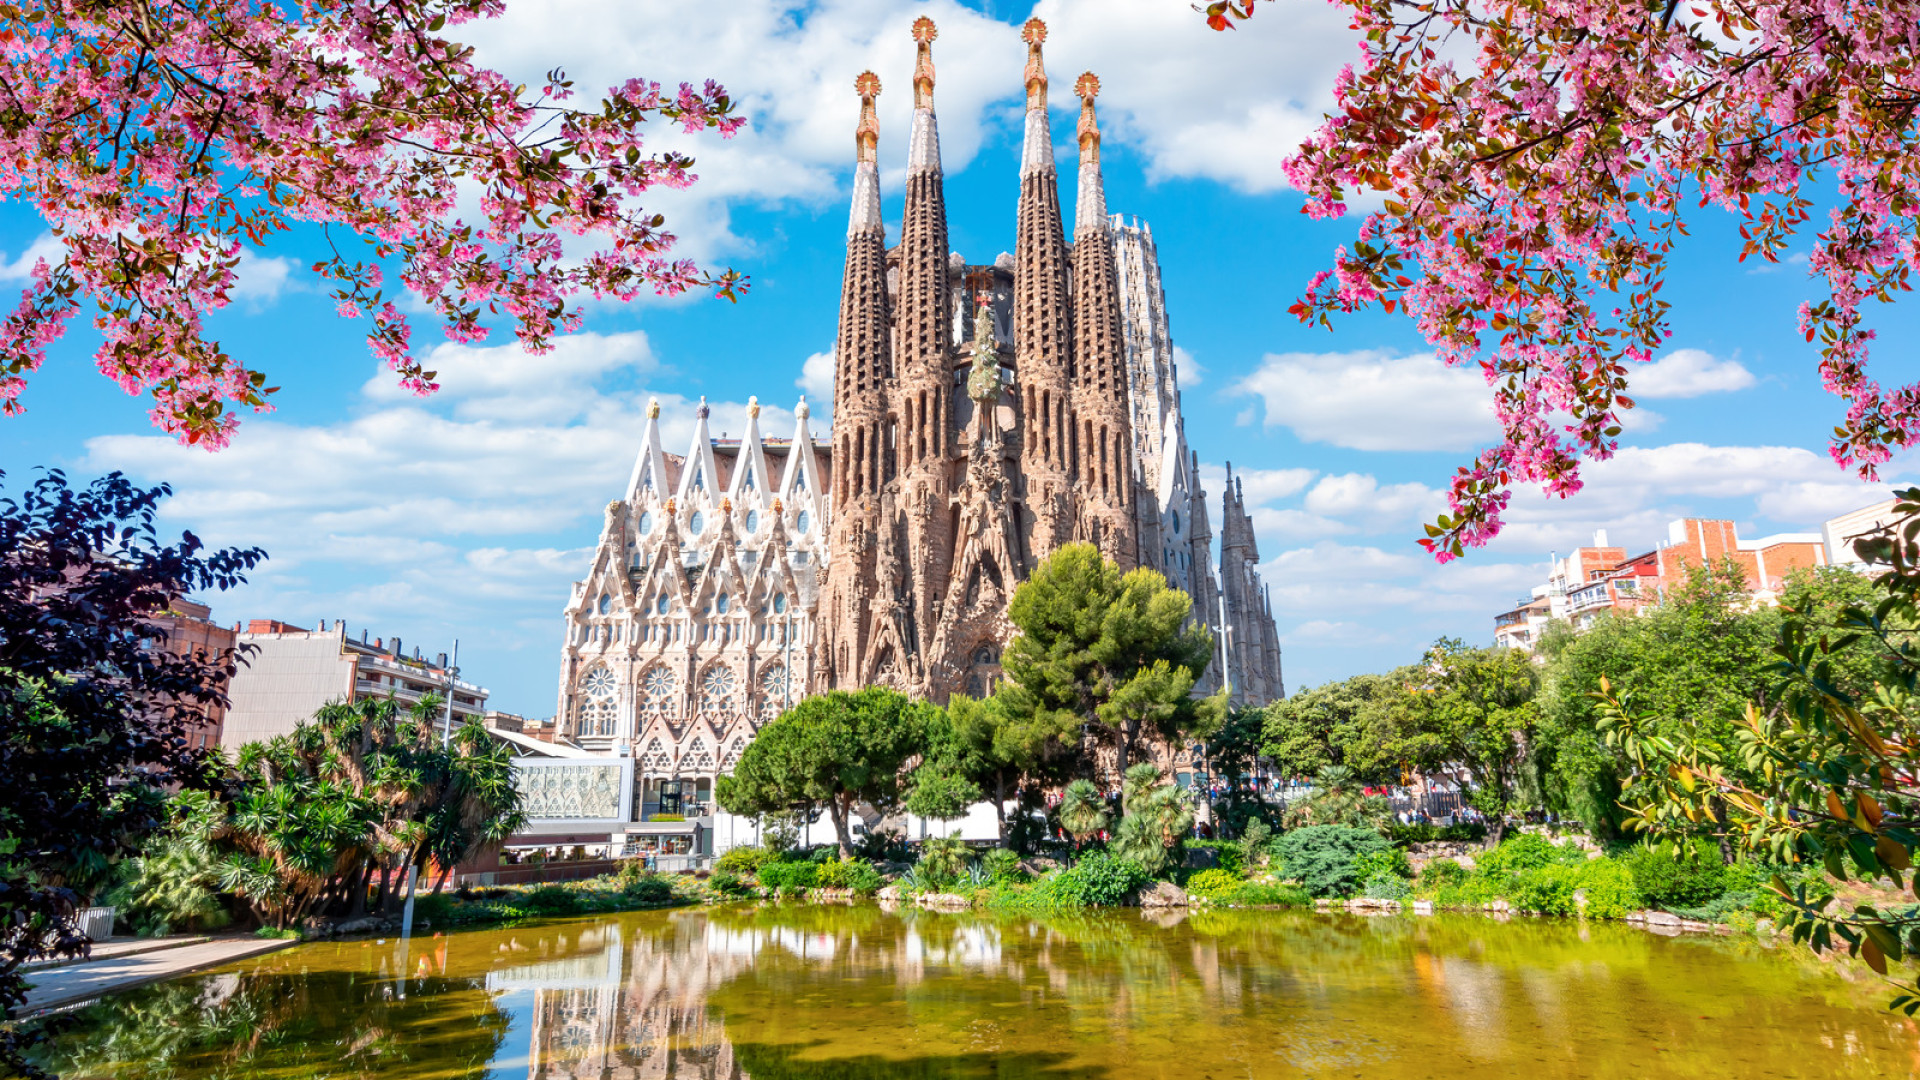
(1034,34)
(923,34)
(702,411)
(866,136)
(653,408)
(1087,87)
(753,407)
(801,411)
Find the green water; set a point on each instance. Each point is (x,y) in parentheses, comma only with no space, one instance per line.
(781,992)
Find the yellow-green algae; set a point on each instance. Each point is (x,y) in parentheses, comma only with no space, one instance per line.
(789,991)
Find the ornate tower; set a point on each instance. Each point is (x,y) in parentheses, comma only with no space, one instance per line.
(1042,331)
(1106,474)
(924,402)
(862,454)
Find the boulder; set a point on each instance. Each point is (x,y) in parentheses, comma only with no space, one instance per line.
(891,893)
(1661,918)
(1163,894)
(1423,907)
(944,900)
(1368,905)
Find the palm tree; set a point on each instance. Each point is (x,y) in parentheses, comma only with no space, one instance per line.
(1157,817)
(1083,813)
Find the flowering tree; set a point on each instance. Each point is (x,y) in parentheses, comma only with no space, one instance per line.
(160,137)
(1535,160)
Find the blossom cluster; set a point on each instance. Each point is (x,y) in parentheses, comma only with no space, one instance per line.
(159,138)
(1536,160)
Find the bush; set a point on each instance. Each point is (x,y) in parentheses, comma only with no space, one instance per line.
(745,860)
(942,859)
(432,908)
(1467,832)
(1390,861)
(647,889)
(1271,894)
(1228,854)
(549,901)
(1696,877)
(1097,880)
(1323,857)
(728,885)
(1003,866)
(1526,851)
(1214,884)
(855,874)
(1442,873)
(1611,893)
(1546,889)
(1386,886)
(787,878)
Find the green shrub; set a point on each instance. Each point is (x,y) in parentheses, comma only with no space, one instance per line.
(549,901)
(1546,889)
(1695,877)
(1214,884)
(1526,851)
(729,885)
(647,889)
(942,859)
(745,860)
(1323,856)
(1386,886)
(1097,880)
(1469,832)
(1442,873)
(1391,861)
(1271,894)
(787,878)
(1611,893)
(855,874)
(1228,854)
(433,908)
(1003,866)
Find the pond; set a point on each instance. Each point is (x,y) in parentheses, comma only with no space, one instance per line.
(786,991)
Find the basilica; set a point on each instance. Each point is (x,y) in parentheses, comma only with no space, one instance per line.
(984,414)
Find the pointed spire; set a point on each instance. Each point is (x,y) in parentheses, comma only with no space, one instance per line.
(1090,211)
(650,465)
(866,169)
(1037,153)
(923,151)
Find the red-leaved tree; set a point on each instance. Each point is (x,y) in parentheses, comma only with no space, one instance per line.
(1535,162)
(160,138)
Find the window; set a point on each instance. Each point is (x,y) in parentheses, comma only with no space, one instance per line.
(606,603)
(697,524)
(1176,522)
(721,603)
(646,523)
(779,603)
(662,604)
(801,523)
(753,521)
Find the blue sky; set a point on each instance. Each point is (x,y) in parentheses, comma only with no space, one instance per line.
(467,515)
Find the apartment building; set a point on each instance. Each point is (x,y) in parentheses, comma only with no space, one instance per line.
(1591,581)
(293,671)
(191,631)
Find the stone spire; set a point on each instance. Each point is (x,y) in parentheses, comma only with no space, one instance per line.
(923,405)
(1043,335)
(1105,475)
(863,370)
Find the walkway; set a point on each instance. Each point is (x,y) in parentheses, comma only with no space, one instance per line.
(68,983)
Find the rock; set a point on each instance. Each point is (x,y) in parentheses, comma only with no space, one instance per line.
(1323,902)
(1661,918)
(890,893)
(1202,858)
(1163,894)
(1762,927)
(1696,927)
(1368,905)
(1039,864)
(944,900)
(1580,900)
(1636,917)
(1423,907)
(1499,907)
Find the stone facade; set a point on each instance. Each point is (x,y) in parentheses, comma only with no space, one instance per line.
(984,414)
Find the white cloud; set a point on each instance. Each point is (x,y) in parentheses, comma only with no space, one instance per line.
(1359,495)
(260,279)
(1186,370)
(816,378)
(1685,373)
(44,246)
(1374,400)
(506,382)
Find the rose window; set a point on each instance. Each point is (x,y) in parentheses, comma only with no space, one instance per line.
(597,710)
(773,691)
(719,690)
(657,690)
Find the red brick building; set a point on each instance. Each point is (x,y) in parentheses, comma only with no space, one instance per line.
(191,631)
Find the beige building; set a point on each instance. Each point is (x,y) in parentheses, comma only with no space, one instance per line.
(291,672)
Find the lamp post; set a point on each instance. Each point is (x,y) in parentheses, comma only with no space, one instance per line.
(453,679)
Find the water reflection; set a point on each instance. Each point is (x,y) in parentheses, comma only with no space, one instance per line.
(773,993)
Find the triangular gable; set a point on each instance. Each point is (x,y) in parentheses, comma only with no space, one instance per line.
(751,487)
(650,466)
(700,476)
(803,485)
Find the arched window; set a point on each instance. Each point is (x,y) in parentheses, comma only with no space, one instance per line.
(697,524)
(597,710)
(657,691)
(721,603)
(719,691)
(606,603)
(802,523)
(779,603)
(753,521)
(646,522)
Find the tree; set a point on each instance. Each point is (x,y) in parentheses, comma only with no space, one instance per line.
(1346,723)
(93,711)
(1157,817)
(1083,812)
(1473,710)
(1829,778)
(837,750)
(1108,650)
(1233,752)
(1534,163)
(159,140)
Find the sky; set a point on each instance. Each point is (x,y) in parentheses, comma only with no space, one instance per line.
(466,515)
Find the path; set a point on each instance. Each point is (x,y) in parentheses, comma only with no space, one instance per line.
(64,985)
